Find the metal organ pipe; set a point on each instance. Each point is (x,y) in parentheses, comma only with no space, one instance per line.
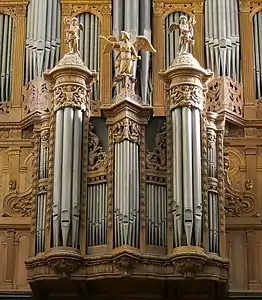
(222,42)
(6,46)
(257,53)
(42,42)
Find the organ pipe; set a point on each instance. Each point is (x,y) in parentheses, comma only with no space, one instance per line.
(257,52)
(89,45)
(222,43)
(6,47)
(42,50)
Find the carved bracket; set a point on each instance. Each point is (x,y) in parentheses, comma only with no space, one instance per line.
(126,130)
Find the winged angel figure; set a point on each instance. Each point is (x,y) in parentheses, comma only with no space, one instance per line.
(72,34)
(127,53)
(186,28)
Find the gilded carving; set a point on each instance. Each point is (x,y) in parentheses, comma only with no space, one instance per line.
(157,159)
(71,96)
(12,185)
(249,184)
(18,204)
(234,171)
(97,158)
(185,95)
(126,130)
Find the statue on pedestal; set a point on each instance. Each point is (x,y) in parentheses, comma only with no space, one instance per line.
(186,28)
(127,54)
(72,34)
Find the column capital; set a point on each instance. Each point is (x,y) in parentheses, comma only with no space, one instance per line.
(72,82)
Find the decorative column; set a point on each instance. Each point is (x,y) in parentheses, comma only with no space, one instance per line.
(70,112)
(186,80)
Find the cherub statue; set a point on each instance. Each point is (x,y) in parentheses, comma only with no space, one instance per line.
(186,28)
(72,34)
(127,54)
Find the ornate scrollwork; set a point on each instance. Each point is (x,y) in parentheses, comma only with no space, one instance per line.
(235,205)
(97,158)
(16,204)
(126,130)
(71,96)
(157,159)
(5,107)
(185,95)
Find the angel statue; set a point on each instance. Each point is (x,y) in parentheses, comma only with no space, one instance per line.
(127,53)
(186,28)
(72,34)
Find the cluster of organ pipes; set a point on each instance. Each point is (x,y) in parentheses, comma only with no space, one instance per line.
(126,194)
(187,186)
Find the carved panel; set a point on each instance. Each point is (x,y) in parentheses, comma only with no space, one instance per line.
(236,161)
(18,204)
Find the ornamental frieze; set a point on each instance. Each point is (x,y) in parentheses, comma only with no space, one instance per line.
(73,96)
(185,95)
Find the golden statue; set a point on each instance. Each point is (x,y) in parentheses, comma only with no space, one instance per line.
(72,34)
(126,54)
(186,28)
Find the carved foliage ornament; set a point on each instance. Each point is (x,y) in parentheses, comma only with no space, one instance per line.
(185,95)
(235,205)
(71,96)
(16,204)
(126,130)
(157,159)
(97,158)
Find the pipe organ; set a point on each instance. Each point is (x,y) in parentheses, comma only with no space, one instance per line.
(6,49)
(42,49)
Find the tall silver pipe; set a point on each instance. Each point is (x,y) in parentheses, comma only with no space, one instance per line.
(187,172)
(57,188)
(177,176)
(67,159)
(197,184)
(76,176)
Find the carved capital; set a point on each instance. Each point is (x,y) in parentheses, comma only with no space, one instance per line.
(70,95)
(185,95)
(126,130)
